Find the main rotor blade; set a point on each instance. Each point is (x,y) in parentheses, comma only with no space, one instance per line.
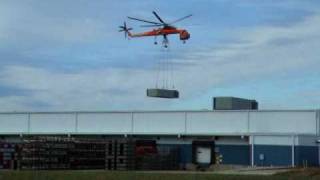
(158,17)
(155,25)
(183,18)
(142,20)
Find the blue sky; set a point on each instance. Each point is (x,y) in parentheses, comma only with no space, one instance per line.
(68,55)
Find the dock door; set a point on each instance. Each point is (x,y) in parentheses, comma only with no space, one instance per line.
(202,152)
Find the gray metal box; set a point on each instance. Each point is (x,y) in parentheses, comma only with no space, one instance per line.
(233,103)
(162,93)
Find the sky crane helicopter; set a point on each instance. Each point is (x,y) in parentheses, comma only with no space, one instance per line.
(164,29)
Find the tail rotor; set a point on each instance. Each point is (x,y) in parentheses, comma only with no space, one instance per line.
(125,30)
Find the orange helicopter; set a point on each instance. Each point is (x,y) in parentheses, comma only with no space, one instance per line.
(165,30)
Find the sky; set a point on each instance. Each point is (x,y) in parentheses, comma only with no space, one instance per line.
(69,56)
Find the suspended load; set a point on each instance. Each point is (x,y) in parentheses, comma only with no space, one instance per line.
(163,93)
(164,86)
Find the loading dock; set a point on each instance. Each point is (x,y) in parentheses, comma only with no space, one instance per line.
(203,153)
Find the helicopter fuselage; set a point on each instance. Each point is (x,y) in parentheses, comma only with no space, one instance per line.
(184,34)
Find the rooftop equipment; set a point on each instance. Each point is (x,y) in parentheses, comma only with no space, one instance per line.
(234,103)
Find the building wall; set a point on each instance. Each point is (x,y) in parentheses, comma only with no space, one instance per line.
(234,154)
(282,155)
(277,150)
(162,123)
(283,122)
(274,155)
(307,154)
(236,150)
(307,151)
(272,133)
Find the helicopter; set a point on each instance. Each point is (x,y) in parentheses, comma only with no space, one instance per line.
(164,29)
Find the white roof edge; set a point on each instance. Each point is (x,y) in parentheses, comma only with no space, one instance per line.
(157,134)
(156,111)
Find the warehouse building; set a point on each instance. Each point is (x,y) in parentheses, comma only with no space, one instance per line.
(243,137)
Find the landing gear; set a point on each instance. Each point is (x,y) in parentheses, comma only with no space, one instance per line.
(155,40)
(184,41)
(165,41)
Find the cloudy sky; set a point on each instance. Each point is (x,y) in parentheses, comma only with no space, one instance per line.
(68,55)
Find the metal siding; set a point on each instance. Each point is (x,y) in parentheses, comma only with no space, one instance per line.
(104,123)
(52,123)
(159,123)
(186,153)
(164,122)
(13,123)
(306,153)
(283,122)
(216,122)
(273,155)
(318,121)
(273,140)
(234,154)
(307,140)
(232,140)
(174,141)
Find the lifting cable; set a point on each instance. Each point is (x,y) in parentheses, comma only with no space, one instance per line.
(164,68)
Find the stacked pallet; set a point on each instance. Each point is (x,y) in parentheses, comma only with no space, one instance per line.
(62,153)
(125,154)
(45,153)
(110,154)
(8,156)
(87,154)
(66,153)
(110,163)
(120,154)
